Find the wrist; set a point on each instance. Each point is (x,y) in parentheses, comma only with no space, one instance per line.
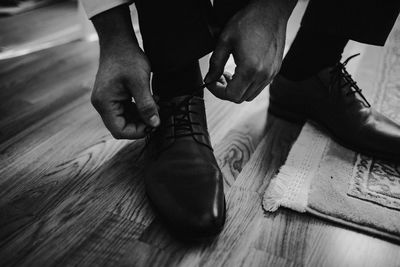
(119,46)
(115,30)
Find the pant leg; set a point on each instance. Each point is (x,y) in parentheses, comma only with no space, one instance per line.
(366,21)
(175,32)
(178,32)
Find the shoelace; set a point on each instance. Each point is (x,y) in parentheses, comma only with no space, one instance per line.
(339,72)
(182,123)
(181,113)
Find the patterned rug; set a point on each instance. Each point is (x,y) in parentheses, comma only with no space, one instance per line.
(376,181)
(330,181)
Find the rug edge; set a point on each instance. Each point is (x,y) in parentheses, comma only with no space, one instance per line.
(354,226)
(290,187)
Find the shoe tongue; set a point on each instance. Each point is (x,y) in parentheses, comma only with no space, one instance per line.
(326,76)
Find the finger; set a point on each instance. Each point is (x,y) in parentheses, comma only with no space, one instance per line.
(252,89)
(237,87)
(228,76)
(266,81)
(218,88)
(260,89)
(116,118)
(217,61)
(146,106)
(256,88)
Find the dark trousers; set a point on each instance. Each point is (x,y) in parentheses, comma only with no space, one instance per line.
(178,32)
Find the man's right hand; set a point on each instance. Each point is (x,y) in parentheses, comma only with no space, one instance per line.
(119,78)
(123,74)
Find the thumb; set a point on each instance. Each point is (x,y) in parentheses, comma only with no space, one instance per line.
(146,106)
(218,61)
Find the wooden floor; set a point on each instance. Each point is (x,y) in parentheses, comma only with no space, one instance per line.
(71,195)
(31,31)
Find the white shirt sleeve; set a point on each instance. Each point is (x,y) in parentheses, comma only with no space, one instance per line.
(94,7)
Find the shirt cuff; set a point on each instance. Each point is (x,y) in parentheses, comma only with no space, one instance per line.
(94,7)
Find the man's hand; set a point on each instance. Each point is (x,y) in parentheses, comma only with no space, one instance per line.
(123,74)
(119,78)
(255,36)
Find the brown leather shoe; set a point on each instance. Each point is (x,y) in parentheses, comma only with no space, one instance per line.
(182,177)
(333,100)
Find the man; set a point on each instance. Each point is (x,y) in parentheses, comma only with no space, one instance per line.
(182,177)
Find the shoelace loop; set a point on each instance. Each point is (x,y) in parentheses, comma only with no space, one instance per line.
(340,72)
(181,113)
(182,122)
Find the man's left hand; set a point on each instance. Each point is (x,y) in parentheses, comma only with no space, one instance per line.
(255,36)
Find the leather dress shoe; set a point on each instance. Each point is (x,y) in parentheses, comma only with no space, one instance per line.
(182,177)
(333,100)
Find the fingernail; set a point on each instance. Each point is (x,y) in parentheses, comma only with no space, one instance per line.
(154,121)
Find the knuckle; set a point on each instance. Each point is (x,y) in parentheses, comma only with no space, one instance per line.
(213,61)
(139,77)
(223,39)
(98,95)
(251,98)
(260,68)
(117,135)
(136,136)
(146,108)
(235,99)
(249,72)
(254,67)
(95,100)
(271,76)
(266,77)
(268,74)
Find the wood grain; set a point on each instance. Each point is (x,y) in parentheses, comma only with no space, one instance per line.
(71,195)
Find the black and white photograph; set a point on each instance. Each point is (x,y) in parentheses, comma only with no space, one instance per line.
(200,133)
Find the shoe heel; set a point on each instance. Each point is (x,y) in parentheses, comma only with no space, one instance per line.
(285,113)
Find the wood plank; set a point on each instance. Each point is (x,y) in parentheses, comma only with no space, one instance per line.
(37,24)
(106,244)
(270,154)
(70,214)
(260,258)
(39,96)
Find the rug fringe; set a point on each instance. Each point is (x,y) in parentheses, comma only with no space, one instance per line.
(290,187)
(277,190)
